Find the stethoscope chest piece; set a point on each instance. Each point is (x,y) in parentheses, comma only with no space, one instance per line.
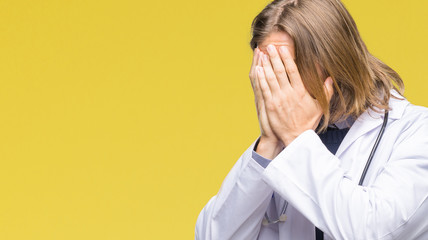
(281,218)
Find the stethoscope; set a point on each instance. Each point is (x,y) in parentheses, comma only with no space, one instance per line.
(282,217)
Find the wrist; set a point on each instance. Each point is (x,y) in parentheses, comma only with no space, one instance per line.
(290,138)
(269,148)
(287,140)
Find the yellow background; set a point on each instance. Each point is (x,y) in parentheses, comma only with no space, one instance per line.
(120,119)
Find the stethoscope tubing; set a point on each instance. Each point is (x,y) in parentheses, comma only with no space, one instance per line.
(372,153)
(267,221)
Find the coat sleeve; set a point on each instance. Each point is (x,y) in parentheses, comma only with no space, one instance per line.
(395,206)
(236,212)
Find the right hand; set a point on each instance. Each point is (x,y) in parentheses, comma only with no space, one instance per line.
(269,144)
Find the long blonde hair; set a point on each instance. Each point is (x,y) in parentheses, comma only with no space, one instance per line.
(326,37)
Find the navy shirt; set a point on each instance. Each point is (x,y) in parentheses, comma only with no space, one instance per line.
(332,139)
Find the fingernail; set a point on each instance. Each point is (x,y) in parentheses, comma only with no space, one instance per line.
(265,58)
(282,49)
(271,49)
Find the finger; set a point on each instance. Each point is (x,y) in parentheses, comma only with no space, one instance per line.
(257,91)
(259,60)
(255,60)
(263,118)
(259,100)
(291,68)
(278,67)
(264,87)
(270,75)
(253,66)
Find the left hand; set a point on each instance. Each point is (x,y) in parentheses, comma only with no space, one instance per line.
(290,108)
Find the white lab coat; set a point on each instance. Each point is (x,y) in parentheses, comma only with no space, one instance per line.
(322,189)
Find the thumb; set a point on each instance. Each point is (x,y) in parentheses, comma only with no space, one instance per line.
(328,88)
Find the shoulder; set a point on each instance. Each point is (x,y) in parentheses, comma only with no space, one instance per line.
(402,109)
(409,119)
(415,114)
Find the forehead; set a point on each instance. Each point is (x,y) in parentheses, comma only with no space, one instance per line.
(277,39)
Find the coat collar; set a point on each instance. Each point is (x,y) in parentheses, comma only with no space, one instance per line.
(371,120)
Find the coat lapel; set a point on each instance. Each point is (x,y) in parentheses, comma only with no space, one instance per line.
(371,120)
